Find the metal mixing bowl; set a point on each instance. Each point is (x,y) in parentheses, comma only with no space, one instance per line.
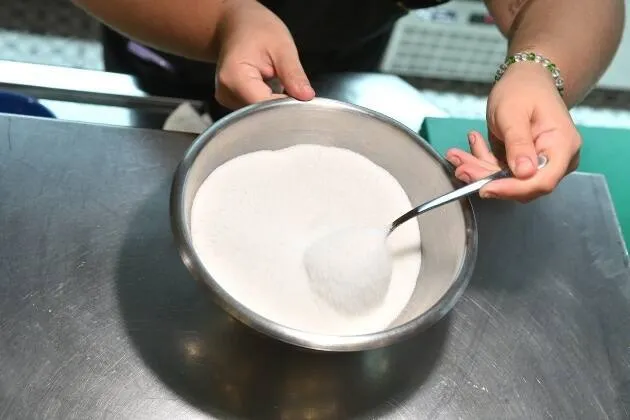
(449,234)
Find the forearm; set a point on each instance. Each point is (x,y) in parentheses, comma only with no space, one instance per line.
(183,27)
(579,36)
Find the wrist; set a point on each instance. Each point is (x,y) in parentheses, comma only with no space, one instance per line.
(576,86)
(533,62)
(229,14)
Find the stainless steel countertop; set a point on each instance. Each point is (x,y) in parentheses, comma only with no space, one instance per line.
(99,318)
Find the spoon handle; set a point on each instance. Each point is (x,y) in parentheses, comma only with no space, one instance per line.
(465,191)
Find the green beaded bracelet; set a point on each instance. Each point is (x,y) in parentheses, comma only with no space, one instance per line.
(534,58)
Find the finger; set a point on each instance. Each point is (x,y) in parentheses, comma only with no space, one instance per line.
(519,143)
(471,172)
(231,102)
(559,163)
(479,147)
(468,167)
(459,157)
(543,183)
(241,84)
(223,96)
(291,74)
(456,156)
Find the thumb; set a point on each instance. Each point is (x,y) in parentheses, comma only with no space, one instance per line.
(291,74)
(519,144)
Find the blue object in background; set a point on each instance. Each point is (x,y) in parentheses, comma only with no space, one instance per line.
(14,103)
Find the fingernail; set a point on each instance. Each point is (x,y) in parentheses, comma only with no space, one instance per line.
(471,139)
(486,194)
(523,164)
(464,177)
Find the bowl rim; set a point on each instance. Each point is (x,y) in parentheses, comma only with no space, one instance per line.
(315,341)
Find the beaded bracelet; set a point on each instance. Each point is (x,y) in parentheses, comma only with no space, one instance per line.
(534,58)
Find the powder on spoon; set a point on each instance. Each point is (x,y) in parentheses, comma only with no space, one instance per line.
(254,217)
(350,269)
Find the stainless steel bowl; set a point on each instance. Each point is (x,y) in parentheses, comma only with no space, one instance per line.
(449,234)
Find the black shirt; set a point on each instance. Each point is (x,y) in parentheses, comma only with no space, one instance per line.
(331,36)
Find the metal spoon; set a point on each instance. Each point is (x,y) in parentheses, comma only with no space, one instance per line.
(457,194)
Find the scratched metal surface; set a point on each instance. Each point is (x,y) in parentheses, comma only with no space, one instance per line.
(100,320)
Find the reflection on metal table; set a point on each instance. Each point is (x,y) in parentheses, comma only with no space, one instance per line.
(100,319)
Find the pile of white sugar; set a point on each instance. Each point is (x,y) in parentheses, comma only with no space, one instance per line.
(351,269)
(265,225)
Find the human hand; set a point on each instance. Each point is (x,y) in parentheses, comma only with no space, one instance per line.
(255,46)
(526,116)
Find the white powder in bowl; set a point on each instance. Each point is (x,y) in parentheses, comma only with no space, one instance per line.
(254,218)
(351,269)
